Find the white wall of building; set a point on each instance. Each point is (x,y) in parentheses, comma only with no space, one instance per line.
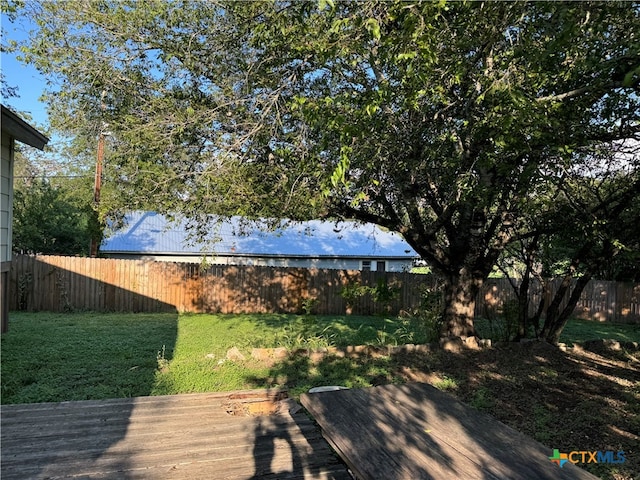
(390,265)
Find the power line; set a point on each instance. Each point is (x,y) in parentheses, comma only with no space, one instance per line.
(52,176)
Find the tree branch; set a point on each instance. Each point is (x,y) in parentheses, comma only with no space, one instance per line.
(579,91)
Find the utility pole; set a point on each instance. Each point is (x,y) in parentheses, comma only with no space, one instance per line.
(97,185)
(98,179)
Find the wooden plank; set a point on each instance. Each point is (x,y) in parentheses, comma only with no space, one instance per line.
(415,431)
(178,437)
(73,280)
(45,279)
(151,286)
(86,284)
(120,290)
(149,452)
(374,446)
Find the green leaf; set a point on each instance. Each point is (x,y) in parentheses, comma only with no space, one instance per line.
(371,109)
(407,55)
(323,4)
(373,27)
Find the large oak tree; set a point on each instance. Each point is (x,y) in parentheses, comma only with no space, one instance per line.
(446,122)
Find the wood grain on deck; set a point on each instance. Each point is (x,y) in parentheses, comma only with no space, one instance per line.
(166,437)
(414,431)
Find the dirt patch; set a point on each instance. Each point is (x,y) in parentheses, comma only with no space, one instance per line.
(574,400)
(259,403)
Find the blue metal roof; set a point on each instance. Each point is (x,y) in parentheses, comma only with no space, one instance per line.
(150,232)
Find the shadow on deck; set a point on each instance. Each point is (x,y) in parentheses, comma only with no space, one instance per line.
(211,435)
(414,431)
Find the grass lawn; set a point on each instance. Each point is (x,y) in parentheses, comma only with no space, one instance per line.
(581,330)
(575,400)
(575,331)
(49,357)
(54,357)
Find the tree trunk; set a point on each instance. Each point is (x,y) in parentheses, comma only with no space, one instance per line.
(535,319)
(556,320)
(523,305)
(460,292)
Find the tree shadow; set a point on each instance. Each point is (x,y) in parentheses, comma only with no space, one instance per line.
(561,400)
(66,284)
(260,289)
(566,400)
(300,372)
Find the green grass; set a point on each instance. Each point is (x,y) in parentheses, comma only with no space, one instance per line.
(50,357)
(482,399)
(447,384)
(543,422)
(56,357)
(575,331)
(581,330)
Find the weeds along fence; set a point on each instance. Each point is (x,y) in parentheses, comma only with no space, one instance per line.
(59,283)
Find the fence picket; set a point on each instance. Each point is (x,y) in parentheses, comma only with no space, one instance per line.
(54,283)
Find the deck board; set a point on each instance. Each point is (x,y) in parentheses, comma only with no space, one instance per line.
(415,431)
(168,437)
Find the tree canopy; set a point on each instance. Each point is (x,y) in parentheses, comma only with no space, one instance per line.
(451,123)
(48,219)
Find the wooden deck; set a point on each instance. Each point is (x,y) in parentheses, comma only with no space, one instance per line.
(170,437)
(415,431)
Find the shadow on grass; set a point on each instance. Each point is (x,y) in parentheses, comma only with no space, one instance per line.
(52,357)
(567,400)
(300,373)
(314,331)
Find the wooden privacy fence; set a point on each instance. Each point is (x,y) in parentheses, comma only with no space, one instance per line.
(601,300)
(58,283)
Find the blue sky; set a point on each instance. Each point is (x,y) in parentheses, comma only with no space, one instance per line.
(29,81)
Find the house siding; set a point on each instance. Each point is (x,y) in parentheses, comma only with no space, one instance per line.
(13,129)
(6,214)
(6,200)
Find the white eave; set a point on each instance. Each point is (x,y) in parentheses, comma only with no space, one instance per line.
(21,131)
